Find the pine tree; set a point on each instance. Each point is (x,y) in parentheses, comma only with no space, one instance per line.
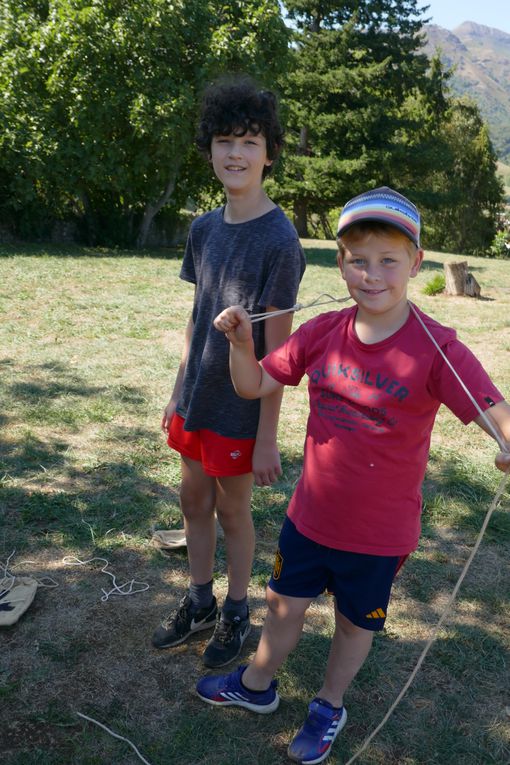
(355,64)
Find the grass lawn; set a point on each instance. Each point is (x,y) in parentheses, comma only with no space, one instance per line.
(89,345)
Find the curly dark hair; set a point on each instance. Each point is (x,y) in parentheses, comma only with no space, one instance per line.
(236,105)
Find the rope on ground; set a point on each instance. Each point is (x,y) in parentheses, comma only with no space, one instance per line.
(436,629)
(115,735)
(118,589)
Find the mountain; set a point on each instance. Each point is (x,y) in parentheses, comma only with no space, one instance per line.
(480,57)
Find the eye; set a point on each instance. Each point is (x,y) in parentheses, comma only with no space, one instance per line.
(388,261)
(357,261)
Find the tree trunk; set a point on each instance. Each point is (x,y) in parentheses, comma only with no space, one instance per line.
(152,209)
(90,219)
(301,217)
(300,205)
(455,278)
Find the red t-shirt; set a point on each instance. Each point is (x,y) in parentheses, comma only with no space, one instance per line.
(372,409)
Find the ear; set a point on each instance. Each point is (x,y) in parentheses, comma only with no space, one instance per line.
(340,261)
(417,263)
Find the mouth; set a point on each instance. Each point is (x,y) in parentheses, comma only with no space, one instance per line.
(373,292)
(234,168)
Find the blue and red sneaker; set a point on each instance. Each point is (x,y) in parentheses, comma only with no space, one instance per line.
(313,742)
(228,690)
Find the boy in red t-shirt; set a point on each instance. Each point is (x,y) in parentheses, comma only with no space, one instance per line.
(376,382)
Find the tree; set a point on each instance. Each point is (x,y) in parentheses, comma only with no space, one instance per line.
(355,65)
(468,191)
(100,99)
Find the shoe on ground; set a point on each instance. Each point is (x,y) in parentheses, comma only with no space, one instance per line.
(182,622)
(227,641)
(227,691)
(313,742)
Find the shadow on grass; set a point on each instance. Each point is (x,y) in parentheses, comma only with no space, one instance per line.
(48,250)
(49,493)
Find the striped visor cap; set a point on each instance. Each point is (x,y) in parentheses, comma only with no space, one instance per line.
(382,205)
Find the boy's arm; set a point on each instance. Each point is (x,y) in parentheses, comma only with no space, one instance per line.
(266,457)
(169,410)
(500,417)
(249,378)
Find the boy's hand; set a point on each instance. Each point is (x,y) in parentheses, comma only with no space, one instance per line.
(503,461)
(235,323)
(266,464)
(168,413)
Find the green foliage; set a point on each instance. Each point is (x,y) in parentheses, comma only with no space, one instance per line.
(465,191)
(435,285)
(99,102)
(354,66)
(500,247)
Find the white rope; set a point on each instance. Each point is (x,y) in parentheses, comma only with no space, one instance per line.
(481,533)
(255,317)
(44,581)
(483,415)
(443,616)
(115,735)
(122,589)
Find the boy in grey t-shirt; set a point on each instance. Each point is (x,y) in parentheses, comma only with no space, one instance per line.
(248,253)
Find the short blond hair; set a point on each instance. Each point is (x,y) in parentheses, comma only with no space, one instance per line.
(363,229)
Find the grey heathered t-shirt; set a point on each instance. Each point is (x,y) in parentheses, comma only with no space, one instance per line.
(253,264)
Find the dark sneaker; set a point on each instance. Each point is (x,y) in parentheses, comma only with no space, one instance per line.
(182,622)
(313,742)
(227,641)
(227,691)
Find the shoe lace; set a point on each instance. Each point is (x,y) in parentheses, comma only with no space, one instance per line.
(318,718)
(225,631)
(177,616)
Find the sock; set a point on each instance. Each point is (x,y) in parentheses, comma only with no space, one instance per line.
(232,608)
(328,704)
(250,690)
(201,595)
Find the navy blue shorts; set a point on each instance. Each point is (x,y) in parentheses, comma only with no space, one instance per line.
(360,583)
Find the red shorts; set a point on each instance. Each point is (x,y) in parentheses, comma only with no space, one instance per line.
(219,455)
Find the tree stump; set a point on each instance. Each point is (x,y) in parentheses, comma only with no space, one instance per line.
(459,282)
(472,287)
(455,278)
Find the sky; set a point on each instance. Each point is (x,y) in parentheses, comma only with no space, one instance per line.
(451,13)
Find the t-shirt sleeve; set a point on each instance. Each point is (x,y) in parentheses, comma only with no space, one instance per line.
(446,388)
(188,272)
(287,363)
(285,272)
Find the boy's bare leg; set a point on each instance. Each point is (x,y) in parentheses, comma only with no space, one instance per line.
(349,649)
(280,634)
(197,496)
(233,506)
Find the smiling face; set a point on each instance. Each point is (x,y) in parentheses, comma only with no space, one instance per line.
(377,266)
(239,160)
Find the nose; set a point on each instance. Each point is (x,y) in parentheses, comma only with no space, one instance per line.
(235,149)
(372,274)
